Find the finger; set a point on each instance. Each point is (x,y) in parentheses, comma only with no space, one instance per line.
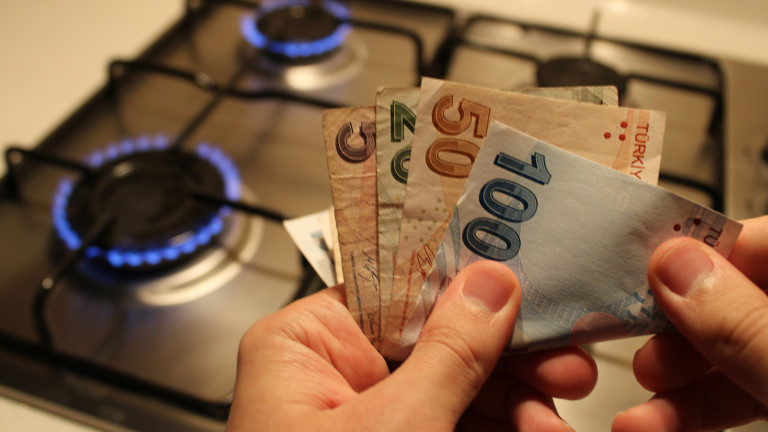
(317,325)
(750,253)
(508,399)
(512,406)
(472,422)
(529,410)
(460,344)
(567,373)
(721,312)
(491,401)
(710,403)
(668,362)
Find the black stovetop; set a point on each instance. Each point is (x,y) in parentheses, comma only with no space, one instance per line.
(155,348)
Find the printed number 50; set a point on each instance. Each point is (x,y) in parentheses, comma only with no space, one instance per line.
(465,149)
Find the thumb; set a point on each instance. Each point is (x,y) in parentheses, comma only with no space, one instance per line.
(462,340)
(718,309)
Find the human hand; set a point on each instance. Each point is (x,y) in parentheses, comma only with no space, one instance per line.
(309,367)
(714,373)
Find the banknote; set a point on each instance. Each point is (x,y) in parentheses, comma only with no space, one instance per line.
(578,236)
(599,95)
(307,233)
(395,123)
(350,142)
(451,125)
(331,236)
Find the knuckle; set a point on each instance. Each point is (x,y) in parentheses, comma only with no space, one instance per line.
(251,341)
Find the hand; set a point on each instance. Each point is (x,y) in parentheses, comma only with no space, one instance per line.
(714,374)
(309,367)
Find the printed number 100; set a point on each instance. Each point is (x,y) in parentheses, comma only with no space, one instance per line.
(535,171)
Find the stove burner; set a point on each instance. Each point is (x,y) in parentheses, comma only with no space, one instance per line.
(297,29)
(148,189)
(578,71)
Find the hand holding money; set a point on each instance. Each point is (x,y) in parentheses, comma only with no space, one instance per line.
(577,233)
(712,373)
(309,367)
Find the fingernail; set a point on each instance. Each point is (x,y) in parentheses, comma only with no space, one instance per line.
(681,267)
(488,288)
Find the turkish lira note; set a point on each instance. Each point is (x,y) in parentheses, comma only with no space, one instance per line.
(395,123)
(452,123)
(599,95)
(331,236)
(308,234)
(350,141)
(578,236)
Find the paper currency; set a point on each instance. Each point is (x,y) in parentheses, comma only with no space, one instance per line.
(395,123)
(599,95)
(577,235)
(452,122)
(331,236)
(350,141)
(307,233)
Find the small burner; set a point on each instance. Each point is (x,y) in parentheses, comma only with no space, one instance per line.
(148,189)
(297,29)
(578,71)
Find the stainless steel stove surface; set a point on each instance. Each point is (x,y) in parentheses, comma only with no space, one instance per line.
(120,338)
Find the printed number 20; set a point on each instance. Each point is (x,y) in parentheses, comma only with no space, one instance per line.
(472,238)
(401,117)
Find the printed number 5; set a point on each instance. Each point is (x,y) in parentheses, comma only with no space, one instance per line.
(356,154)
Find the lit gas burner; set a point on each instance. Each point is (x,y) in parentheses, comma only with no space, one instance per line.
(149,190)
(297,29)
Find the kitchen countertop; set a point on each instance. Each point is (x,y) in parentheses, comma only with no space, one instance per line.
(55,58)
(56,55)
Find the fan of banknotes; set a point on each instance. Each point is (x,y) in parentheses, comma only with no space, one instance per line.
(556,183)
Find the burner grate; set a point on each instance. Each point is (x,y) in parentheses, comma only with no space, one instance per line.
(543,50)
(297,28)
(157,219)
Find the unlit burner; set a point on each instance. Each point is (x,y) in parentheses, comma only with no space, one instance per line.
(578,71)
(149,190)
(297,29)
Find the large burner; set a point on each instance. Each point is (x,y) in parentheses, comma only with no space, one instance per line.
(149,191)
(297,29)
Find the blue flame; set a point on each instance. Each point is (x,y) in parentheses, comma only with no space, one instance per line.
(300,48)
(135,258)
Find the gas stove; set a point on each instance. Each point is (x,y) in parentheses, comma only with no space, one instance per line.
(142,236)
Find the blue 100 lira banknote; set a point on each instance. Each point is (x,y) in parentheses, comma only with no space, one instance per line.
(578,236)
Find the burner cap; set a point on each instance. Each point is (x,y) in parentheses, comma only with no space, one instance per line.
(297,29)
(577,71)
(148,190)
